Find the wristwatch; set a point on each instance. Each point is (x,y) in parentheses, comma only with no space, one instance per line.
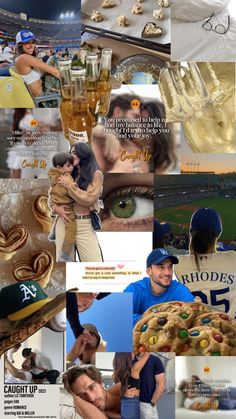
(153,404)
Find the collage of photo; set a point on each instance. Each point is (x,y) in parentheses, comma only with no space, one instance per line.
(117,208)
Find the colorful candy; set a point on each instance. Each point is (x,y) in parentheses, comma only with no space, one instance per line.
(224,317)
(195,333)
(152,340)
(183,334)
(184,316)
(144,328)
(154,310)
(162,321)
(185,347)
(218,338)
(206,320)
(204,343)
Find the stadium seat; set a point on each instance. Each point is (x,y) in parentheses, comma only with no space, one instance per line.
(14,94)
(47,101)
(43,101)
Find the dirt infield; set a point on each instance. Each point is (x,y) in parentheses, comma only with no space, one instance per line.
(189,207)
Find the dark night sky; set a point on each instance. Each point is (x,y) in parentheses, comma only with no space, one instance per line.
(44,9)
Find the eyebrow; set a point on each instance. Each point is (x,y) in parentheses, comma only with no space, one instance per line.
(84,392)
(162,264)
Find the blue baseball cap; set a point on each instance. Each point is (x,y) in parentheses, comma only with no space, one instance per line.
(206,219)
(160,228)
(158,255)
(59,49)
(24,36)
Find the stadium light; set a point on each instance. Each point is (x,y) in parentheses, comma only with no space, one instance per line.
(67,15)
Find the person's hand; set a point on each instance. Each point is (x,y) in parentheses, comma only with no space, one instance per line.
(63,211)
(77,403)
(77,349)
(130,392)
(79,345)
(64,181)
(55,72)
(87,335)
(112,148)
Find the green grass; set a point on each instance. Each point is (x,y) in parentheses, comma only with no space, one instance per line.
(181,214)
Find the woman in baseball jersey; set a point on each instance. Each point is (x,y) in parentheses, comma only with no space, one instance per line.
(210,275)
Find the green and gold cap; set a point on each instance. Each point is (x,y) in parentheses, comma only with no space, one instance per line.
(20,300)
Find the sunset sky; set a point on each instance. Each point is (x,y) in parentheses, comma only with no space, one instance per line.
(219,163)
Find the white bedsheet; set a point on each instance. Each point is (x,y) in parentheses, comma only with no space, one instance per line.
(189,41)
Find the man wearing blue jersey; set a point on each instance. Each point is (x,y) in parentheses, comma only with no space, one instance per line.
(158,287)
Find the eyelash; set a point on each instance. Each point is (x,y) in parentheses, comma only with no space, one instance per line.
(135,192)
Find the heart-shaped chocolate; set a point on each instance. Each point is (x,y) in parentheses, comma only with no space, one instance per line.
(42,212)
(12,241)
(38,270)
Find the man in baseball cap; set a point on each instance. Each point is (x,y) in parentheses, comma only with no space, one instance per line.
(86,345)
(24,36)
(159,286)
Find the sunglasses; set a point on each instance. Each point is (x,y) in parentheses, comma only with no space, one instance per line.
(220,29)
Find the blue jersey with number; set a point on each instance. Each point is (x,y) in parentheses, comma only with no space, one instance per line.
(214,283)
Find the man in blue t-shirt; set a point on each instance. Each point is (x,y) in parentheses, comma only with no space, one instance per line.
(152,385)
(158,287)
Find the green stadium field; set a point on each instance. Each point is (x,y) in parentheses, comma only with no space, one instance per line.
(179,216)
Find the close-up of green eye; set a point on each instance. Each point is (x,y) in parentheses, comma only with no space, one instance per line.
(128,208)
(123,207)
(129,203)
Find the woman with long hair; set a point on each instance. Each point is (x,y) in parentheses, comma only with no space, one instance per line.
(210,275)
(28,66)
(85,191)
(127,372)
(163,145)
